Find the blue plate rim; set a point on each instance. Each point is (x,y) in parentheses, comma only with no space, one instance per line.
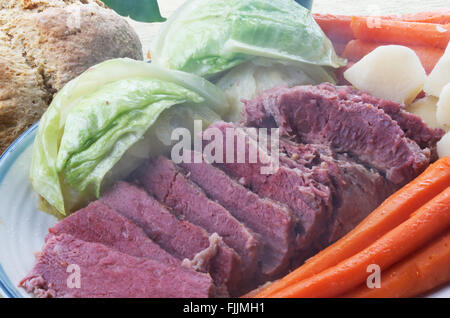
(7,159)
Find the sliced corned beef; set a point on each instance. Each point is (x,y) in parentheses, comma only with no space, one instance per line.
(162,179)
(180,238)
(318,116)
(309,200)
(273,221)
(98,223)
(357,190)
(412,125)
(107,273)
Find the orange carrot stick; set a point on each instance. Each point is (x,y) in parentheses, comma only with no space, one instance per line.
(336,27)
(357,49)
(439,16)
(395,210)
(430,221)
(416,275)
(401,32)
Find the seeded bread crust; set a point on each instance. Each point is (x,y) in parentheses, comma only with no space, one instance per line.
(43,45)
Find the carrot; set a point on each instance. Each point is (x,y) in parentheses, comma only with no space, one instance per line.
(357,49)
(427,223)
(416,275)
(336,27)
(401,32)
(440,17)
(395,210)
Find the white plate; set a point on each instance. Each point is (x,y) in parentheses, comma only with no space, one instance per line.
(23,227)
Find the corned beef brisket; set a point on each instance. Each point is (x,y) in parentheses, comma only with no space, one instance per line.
(213,229)
(107,273)
(309,200)
(180,238)
(272,220)
(161,178)
(320,115)
(356,189)
(99,224)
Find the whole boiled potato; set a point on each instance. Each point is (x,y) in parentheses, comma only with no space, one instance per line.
(443,146)
(440,76)
(443,107)
(391,72)
(426,109)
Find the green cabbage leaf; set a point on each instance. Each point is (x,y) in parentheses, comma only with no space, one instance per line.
(208,37)
(102,124)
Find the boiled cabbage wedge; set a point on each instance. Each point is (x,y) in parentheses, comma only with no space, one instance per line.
(231,42)
(100,126)
(207,37)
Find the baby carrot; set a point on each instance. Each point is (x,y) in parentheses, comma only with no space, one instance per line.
(439,16)
(416,275)
(395,210)
(401,32)
(336,27)
(430,221)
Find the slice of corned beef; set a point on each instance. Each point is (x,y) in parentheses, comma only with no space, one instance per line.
(162,179)
(413,126)
(273,221)
(318,116)
(180,238)
(97,223)
(357,190)
(309,200)
(106,273)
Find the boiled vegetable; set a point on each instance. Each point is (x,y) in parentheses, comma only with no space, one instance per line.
(391,72)
(425,270)
(443,146)
(441,16)
(443,107)
(424,225)
(102,117)
(248,80)
(207,37)
(391,213)
(336,27)
(401,32)
(440,76)
(425,108)
(246,46)
(357,49)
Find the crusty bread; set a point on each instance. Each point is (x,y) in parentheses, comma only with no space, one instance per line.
(22,94)
(43,45)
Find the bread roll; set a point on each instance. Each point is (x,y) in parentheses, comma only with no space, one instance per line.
(43,45)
